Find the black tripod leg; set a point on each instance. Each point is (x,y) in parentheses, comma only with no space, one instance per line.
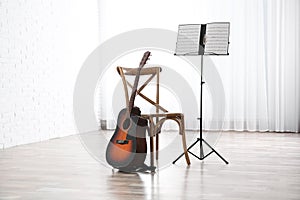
(215,151)
(187,150)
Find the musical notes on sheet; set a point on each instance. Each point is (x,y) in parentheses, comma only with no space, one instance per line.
(216,38)
(213,39)
(188,39)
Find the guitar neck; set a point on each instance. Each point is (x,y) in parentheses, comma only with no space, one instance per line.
(134,90)
(136,80)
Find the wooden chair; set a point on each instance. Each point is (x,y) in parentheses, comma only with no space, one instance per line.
(155,120)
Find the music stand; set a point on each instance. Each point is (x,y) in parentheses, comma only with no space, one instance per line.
(202,39)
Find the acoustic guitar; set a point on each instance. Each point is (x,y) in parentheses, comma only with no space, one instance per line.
(127,148)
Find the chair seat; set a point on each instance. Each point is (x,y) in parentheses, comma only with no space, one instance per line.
(162,117)
(156,121)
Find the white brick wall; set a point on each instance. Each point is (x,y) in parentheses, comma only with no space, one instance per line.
(43,44)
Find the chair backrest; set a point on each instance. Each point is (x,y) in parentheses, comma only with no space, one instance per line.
(151,72)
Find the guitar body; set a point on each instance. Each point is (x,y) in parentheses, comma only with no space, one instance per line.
(127,148)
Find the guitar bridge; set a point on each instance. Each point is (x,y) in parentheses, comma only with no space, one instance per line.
(122,141)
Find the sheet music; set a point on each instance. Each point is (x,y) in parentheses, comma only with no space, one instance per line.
(217,38)
(188,39)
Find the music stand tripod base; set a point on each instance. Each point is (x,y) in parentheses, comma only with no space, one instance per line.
(201,140)
(202,156)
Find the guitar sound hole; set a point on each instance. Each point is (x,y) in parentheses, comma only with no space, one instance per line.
(126,123)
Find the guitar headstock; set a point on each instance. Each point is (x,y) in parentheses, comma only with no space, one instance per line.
(145,58)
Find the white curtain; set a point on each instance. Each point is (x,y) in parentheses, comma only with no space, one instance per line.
(262,84)
(282,45)
(261,74)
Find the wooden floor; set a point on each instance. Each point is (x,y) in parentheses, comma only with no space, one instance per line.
(261,166)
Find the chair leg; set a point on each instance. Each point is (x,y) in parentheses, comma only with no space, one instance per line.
(151,129)
(182,129)
(157,145)
(151,152)
(157,132)
(187,158)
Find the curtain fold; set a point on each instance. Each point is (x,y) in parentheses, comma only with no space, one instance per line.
(282,64)
(263,92)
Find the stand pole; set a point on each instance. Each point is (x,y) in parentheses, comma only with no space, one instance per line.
(201,140)
(200,119)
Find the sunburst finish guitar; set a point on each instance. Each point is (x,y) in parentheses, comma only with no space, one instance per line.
(127,148)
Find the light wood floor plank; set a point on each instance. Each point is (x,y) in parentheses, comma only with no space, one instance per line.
(261,166)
